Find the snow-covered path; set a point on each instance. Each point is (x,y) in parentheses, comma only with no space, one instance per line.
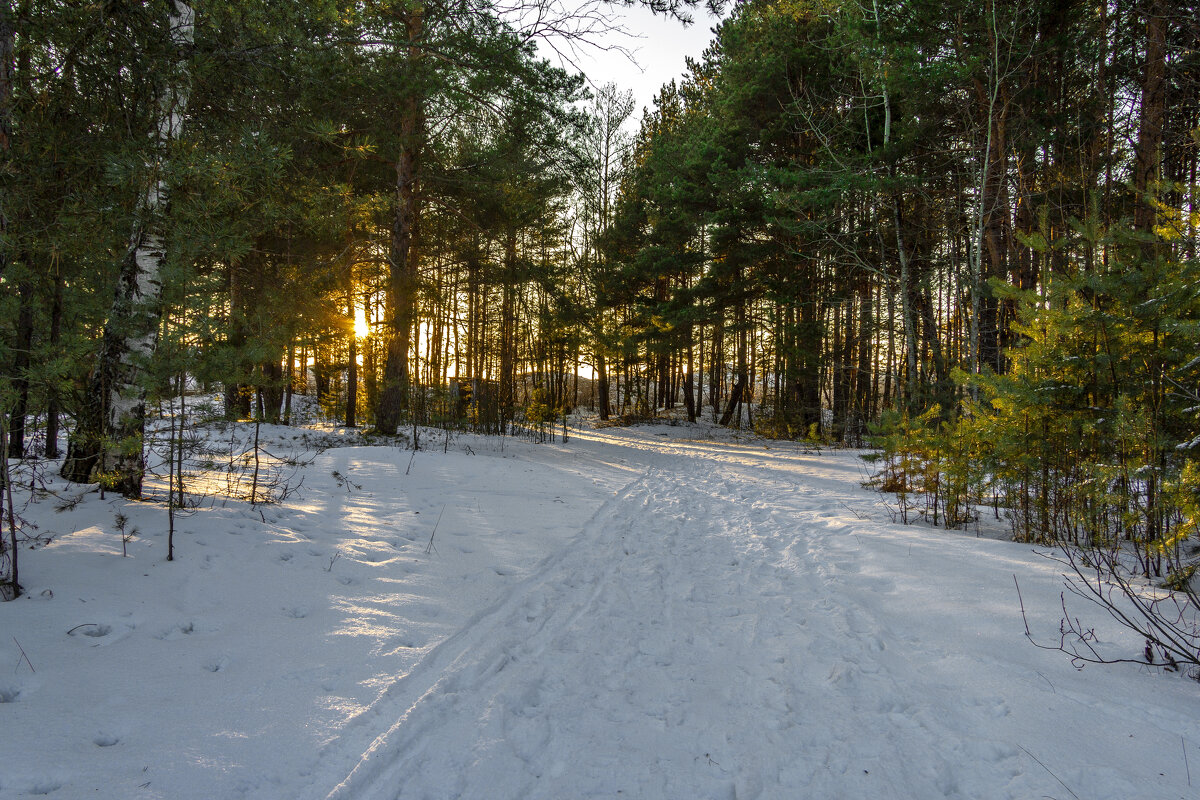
(720,628)
(636,613)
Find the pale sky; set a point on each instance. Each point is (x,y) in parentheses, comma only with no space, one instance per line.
(660,47)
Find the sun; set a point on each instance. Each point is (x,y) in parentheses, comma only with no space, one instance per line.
(362,328)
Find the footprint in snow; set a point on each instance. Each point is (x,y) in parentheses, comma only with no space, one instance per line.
(217,664)
(176,631)
(296,612)
(106,740)
(406,643)
(44,787)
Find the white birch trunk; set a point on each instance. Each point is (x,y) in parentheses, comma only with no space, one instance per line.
(7,72)
(107,442)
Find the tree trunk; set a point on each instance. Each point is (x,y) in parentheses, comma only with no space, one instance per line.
(716,365)
(992,213)
(352,370)
(7,75)
(321,380)
(237,397)
(689,391)
(352,386)
(508,339)
(272,390)
(1148,155)
(290,379)
(53,405)
(906,309)
(742,387)
(735,399)
(402,278)
(369,373)
(22,348)
(838,368)
(602,387)
(108,436)
(10,586)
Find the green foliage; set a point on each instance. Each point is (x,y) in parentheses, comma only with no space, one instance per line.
(1089,438)
(911,458)
(538,410)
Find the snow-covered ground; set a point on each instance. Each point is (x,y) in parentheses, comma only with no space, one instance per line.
(643,612)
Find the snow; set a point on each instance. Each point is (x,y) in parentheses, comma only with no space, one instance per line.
(646,612)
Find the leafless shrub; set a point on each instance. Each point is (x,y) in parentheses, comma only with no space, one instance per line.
(1167,620)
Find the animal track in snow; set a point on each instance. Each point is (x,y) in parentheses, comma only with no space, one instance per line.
(176,631)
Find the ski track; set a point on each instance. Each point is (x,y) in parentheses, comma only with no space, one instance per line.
(628,614)
(699,625)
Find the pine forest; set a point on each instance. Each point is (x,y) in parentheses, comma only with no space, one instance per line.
(962,233)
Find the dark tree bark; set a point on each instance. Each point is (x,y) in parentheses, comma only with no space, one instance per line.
(237,394)
(352,373)
(602,387)
(735,399)
(289,377)
(272,390)
(22,348)
(53,403)
(716,366)
(1148,152)
(10,586)
(402,257)
(689,391)
(508,338)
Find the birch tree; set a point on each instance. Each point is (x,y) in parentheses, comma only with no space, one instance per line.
(107,441)
(7,68)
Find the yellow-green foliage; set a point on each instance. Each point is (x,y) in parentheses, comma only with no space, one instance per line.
(539,411)
(1088,437)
